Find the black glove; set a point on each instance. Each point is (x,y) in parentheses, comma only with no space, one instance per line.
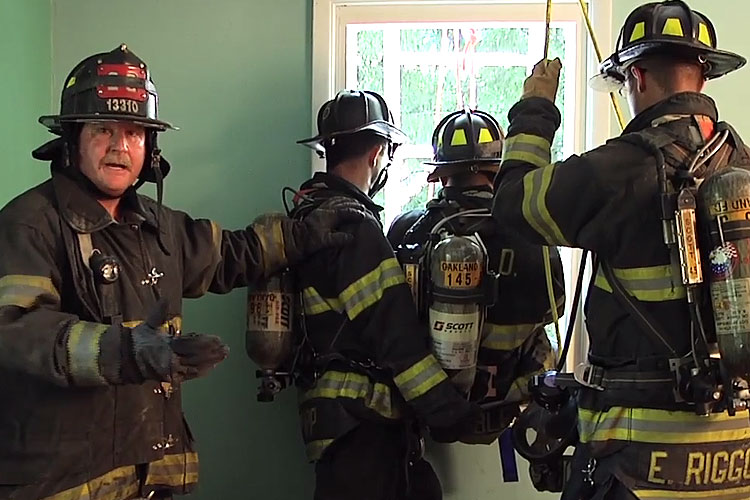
(285,242)
(147,354)
(197,354)
(461,427)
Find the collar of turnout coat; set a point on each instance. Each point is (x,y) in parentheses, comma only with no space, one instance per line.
(685,103)
(326,181)
(80,209)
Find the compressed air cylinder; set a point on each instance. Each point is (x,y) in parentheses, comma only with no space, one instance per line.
(270,313)
(455,310)
(725,213)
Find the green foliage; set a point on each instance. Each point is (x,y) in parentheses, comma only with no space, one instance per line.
(421,40)
(370,66)
(514,40)
(497,88)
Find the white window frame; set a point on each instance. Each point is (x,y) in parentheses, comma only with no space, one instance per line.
(329,20)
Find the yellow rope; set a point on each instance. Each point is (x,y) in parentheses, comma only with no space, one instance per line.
(597,49)
(551,296)
(548,20)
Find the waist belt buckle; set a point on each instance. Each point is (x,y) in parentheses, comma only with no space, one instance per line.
(590,376)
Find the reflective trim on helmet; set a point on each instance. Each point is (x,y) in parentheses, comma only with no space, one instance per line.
(648,284)
(673,27)
(534,206)
(420,378)
(660,426)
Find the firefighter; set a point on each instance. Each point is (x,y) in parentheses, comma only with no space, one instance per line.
(514,345)
(375,377)
(640,435)
(92,278)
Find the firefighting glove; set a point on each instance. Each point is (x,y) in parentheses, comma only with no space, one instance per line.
(461,427)
(197,354)
(155,356)
(543,80)
(285,242)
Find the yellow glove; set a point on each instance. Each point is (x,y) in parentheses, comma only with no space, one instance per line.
(543,80)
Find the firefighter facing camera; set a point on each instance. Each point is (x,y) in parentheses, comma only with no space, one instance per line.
(92,278)
(662,398)
(356,349)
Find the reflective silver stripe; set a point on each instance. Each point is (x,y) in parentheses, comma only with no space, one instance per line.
(721,493)
(315,449)
(420,377)
(177,469)
(369,288)
(648,284)
(335,384)
(506,337)
(660,426)
(26,291)
(119,484)
(314,303)
(534,205)
(83,353)
(528,148)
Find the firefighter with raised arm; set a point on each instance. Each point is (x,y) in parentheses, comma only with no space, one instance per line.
(508,342)
(662,398)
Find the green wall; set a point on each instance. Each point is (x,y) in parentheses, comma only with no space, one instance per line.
(728,17)
(234,75)
(25,58)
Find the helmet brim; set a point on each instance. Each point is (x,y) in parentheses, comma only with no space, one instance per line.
(453,167)
(611,77)
(380,127)
(54,122)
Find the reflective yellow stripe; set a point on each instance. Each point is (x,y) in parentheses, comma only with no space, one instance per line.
(673,27)
(649,284)
(534,206)
(704,36)
(660,426)
(115,485)
(175,470)
(83,353)
(175,323)
(315,449)
(315,304)
(26,291)
(420,377)
(528,148)
(374,395)
(739,493)
(369,288)
(506,337)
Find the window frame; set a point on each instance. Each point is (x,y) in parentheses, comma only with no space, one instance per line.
(329,21)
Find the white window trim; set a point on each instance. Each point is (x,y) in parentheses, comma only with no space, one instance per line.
(329,19)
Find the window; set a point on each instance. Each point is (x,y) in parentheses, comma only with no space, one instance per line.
(429,58)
